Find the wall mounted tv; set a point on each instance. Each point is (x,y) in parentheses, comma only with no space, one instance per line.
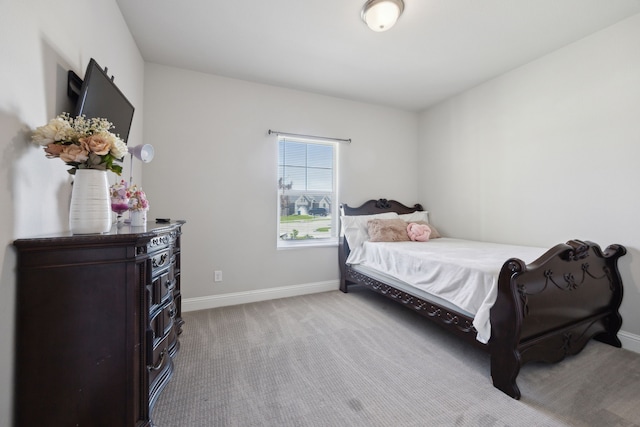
(100,97)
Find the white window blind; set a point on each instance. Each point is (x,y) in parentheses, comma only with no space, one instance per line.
(306,192)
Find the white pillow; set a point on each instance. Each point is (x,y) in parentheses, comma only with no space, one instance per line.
(416,216)
(355,230)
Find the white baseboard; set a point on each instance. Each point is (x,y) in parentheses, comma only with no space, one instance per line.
(235,298)
(630,341)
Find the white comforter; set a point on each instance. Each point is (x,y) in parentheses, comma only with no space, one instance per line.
(462,272)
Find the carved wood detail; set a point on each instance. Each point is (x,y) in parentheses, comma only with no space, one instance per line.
(426,308)
(562,281)
(382,204)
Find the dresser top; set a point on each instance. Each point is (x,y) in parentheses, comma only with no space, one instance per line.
(123,233)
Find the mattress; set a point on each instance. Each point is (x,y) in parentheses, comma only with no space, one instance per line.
(462,273)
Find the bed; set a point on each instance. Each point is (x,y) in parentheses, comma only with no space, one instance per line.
(540,311)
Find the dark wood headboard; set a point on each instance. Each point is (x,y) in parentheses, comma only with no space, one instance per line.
(372,207)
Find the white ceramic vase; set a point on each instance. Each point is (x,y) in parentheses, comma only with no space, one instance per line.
(90,210)
(138,218)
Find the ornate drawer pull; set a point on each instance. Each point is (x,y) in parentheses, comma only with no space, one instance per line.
(162,260)
(159,364)
(173,312)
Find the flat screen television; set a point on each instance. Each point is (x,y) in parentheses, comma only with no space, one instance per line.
(100,97)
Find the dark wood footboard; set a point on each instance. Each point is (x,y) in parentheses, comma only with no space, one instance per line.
(552,307)
(544,311)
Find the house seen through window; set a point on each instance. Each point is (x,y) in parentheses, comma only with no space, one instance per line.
(306,192)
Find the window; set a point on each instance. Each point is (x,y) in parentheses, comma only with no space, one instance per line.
(306,192)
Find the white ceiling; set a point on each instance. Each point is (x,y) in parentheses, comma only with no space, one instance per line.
(438,47)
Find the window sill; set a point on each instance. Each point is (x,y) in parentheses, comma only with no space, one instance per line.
(303,244)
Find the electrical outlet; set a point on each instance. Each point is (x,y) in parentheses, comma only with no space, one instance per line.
(217,276)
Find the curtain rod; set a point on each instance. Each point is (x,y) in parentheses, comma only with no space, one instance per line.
(348,141)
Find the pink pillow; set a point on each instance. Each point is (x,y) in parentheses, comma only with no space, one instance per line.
(418,232)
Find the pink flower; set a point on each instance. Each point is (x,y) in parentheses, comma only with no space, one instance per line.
(53,150)
(139,200)
(97,143)
(74,153)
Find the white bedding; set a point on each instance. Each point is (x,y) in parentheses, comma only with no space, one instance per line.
(462,272)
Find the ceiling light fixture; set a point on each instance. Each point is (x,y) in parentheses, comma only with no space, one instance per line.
(380,15)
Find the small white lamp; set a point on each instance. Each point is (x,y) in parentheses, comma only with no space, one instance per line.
(142,152)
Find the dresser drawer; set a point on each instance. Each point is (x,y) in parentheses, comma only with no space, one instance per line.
(160,261)
(162,287)
(161,322)
(168,314)
(161,241)
(160,361)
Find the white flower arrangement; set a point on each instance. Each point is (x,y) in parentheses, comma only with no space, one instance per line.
(81,143)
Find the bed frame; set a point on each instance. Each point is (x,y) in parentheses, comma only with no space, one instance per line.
(544,311)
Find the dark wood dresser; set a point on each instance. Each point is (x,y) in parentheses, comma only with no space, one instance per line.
(97,324)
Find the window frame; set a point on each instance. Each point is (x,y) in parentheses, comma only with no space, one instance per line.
(315,242)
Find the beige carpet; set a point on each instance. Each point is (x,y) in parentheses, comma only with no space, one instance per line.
(358,359)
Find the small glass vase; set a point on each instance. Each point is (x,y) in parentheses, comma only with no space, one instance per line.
(119,206)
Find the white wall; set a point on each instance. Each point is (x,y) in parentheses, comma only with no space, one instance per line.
(39,42)
(215,166)
(544,154)
(492,162)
